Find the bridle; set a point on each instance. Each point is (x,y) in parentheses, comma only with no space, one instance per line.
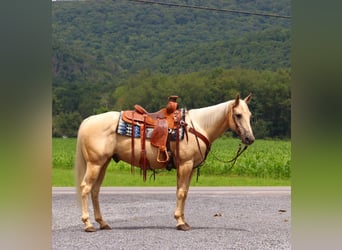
(240,149)
(237,127)
(206,141)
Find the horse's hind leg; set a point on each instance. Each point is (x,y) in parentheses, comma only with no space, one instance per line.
(89,179)
(95,198)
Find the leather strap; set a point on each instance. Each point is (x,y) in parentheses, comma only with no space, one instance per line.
(177,138)
(143,160)
(132,146)
(204,139)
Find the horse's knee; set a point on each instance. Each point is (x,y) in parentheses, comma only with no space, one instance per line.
(85,189)
(182,194)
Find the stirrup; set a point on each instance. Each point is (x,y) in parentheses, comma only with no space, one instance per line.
(167,156)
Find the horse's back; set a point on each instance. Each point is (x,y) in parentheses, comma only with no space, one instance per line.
(100,123)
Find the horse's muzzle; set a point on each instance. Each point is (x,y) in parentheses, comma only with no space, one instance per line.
(248,140)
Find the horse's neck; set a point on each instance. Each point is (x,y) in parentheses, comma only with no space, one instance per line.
(212,120)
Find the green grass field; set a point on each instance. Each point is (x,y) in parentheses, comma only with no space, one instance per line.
(265,163)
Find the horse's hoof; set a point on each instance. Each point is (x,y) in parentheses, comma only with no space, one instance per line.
(105,227)
(90,229)
(184,227)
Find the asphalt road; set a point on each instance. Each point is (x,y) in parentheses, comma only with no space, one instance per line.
(142,218)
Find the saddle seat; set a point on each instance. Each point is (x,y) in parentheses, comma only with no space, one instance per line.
(140,115)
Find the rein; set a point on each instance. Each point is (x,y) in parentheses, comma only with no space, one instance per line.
(238,153)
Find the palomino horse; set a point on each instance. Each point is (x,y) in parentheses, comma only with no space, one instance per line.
(98,142)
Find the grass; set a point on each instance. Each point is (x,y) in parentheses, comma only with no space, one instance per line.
(265,163)
(65,178)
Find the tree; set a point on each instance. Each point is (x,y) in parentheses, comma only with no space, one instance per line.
(66,124)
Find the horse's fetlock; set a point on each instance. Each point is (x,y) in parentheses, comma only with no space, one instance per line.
(85,219)
(178,215)
(99,220)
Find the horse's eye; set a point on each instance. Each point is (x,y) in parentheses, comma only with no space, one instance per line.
(238,116)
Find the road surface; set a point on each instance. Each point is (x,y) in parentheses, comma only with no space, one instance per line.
(142,218)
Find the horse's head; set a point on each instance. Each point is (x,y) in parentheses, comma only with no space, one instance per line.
(239,119)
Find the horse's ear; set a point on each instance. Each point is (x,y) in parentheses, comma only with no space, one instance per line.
(237,99)
(248,98)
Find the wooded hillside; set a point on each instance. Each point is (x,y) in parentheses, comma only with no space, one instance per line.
(105,51)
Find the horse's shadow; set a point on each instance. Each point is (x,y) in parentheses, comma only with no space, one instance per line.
(159,228)
(134,228)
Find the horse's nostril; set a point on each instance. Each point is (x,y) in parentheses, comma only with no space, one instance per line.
(249,140)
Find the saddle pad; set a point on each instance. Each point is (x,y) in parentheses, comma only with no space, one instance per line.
(125,128)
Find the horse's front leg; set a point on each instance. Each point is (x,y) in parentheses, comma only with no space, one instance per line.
(184,175)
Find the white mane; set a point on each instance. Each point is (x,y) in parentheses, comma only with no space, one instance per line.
(207,116)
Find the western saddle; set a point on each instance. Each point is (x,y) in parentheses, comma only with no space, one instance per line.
(162,122)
